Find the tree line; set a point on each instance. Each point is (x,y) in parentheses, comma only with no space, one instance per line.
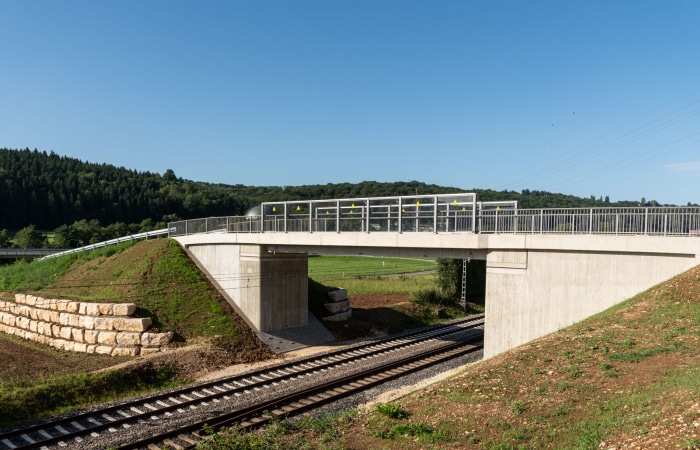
(85,202)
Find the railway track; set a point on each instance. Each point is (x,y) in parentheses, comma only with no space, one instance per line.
(285,390)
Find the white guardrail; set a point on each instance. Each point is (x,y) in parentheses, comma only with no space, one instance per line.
(454,213)
(133,237)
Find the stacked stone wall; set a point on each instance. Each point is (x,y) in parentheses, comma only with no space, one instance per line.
(103,328)
(339,306)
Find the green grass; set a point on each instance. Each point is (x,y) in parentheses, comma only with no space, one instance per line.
(324,268)
(23,400)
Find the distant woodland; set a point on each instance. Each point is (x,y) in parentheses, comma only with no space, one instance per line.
(84,202)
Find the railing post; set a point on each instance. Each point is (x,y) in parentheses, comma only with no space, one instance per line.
(369,212)
(435,214)
(311,219)
(337,216)
(541,221)
(646,221)
(590,221)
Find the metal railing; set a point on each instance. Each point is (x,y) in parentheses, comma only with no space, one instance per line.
(133,237)
(445,213)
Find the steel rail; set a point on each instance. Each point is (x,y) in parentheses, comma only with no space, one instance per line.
(306,399)
(102,419)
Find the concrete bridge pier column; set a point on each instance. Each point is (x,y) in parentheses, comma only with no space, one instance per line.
(268,289)
(277,287)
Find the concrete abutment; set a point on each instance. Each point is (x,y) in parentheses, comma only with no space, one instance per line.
(268,289)
(531,293)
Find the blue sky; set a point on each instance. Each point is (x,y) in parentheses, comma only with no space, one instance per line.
(578,97)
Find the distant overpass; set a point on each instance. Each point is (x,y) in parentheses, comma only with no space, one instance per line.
(17,253)
(545,268)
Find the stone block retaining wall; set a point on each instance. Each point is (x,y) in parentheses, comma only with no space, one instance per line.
(104,328)
(339,306)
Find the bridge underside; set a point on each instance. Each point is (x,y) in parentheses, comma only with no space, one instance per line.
(535,284)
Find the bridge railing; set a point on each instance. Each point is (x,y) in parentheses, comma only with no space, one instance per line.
(659,221)
(133,237)
(454,213)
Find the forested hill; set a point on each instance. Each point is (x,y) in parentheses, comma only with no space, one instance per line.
(48,190)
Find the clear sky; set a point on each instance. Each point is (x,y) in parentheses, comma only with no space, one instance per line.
(589,97)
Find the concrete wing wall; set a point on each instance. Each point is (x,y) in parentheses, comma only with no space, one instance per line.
(530,293)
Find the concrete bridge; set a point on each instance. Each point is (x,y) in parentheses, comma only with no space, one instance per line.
(545,268)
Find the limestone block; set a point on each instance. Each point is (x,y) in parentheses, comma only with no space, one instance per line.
(45,329)
(335,308)
(8,319)
(128,338)
(66,333)
(338,295)
(77,335)
(61,305)
(87,322)
(156,339)
(92,309)
(56,330)
(340,316)
(72,307)
(105,308)
(79,347)
(28,335)
(23,311)
(3,328)
(107,337)
(63,319)
(104,323)
(59,343)
(33,326)
(132,324)
(149,350)
(90,349)
(123,309)
(125,351)
(20,298)
(21,322)
(45,315)
(90,336)
(42,303)
(73,320)
(81,308)
(55,315)
(30,300)
(33,313)
(104,349)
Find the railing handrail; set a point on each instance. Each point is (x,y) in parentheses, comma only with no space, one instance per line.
(119,240)
(439,215)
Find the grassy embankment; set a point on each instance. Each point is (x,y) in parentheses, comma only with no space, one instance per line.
(159,278)
(166,286)
(626,378)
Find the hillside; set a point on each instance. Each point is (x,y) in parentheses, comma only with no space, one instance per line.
(49,191)
(626,378)
(157,276)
